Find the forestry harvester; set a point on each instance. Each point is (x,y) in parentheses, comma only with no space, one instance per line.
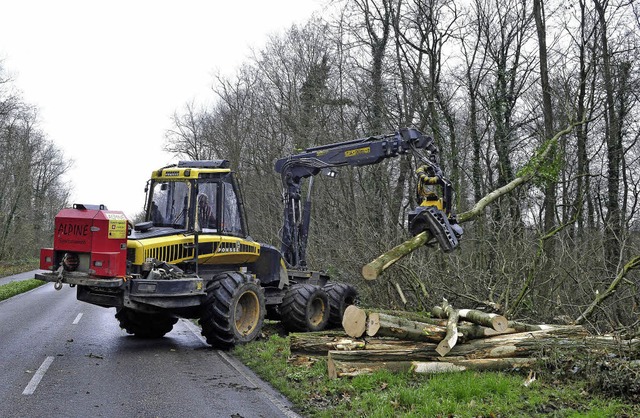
(193,257)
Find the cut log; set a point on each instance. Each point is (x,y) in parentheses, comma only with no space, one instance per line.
(354,321)
(413,316)
(337,369)
(454,365)
(340,368)
(321,342)
(467,331)
(524,344)
(383,325)
(400,354)
(373,323)
(312,343)
(451,337)
(394,344)
(491,320)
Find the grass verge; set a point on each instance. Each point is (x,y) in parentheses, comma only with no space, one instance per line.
(15,288)
(303,380)
(9,268)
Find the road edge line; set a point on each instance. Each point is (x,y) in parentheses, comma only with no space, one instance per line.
(264,389)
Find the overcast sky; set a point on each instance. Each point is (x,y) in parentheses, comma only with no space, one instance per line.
(106,76)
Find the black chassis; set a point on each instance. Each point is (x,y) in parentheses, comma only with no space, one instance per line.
(135,293)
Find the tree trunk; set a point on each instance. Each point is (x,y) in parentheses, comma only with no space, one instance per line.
(342,366)
(383,325)
(523,344)
(321,342)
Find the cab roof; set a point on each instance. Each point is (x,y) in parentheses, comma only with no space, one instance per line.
(191,169)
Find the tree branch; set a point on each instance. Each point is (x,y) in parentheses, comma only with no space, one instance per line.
(376,267)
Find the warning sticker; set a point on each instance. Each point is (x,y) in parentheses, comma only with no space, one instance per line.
(117,229)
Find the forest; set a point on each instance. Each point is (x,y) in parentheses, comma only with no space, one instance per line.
(503,87)
(32,167)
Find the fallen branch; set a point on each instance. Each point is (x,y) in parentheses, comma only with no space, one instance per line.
(451,338)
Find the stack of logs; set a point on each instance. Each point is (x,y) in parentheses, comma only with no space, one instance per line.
(451,340)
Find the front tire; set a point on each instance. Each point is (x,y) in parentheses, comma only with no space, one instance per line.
(305,307)
(145,325)
(233,312)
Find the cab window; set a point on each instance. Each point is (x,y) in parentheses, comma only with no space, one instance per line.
(207,207)
(169,204)
(232,223)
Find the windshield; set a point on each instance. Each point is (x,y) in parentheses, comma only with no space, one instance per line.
(170,203)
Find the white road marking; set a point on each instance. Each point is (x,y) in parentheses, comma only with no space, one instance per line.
(35,380)
(75,321)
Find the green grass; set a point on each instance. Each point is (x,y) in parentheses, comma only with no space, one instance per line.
(304,381)
(9,268)
(15,288)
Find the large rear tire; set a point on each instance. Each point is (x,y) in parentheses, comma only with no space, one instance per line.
(340,295)
(145,325)
(233,312)
(305,307)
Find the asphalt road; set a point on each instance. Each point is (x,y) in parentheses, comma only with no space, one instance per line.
(64,358)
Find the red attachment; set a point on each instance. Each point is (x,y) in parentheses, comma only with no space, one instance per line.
(98,237)
(46,258)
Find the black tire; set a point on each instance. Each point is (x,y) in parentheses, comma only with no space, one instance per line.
(145,325)
(305,307)
(233,312)
(340,296)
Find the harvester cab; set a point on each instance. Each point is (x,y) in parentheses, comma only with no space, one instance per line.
(195,196)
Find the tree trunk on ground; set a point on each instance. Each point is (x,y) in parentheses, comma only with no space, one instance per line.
(338,367)
(524,344)
(311,343)
(322,342)
(319,343)
(383,325)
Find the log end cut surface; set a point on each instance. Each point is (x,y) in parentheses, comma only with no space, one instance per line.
(354,321)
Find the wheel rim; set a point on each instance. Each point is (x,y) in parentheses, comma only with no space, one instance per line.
(247,313)
(316,311)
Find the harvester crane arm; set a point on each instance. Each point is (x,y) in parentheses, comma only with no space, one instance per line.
(358,152)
